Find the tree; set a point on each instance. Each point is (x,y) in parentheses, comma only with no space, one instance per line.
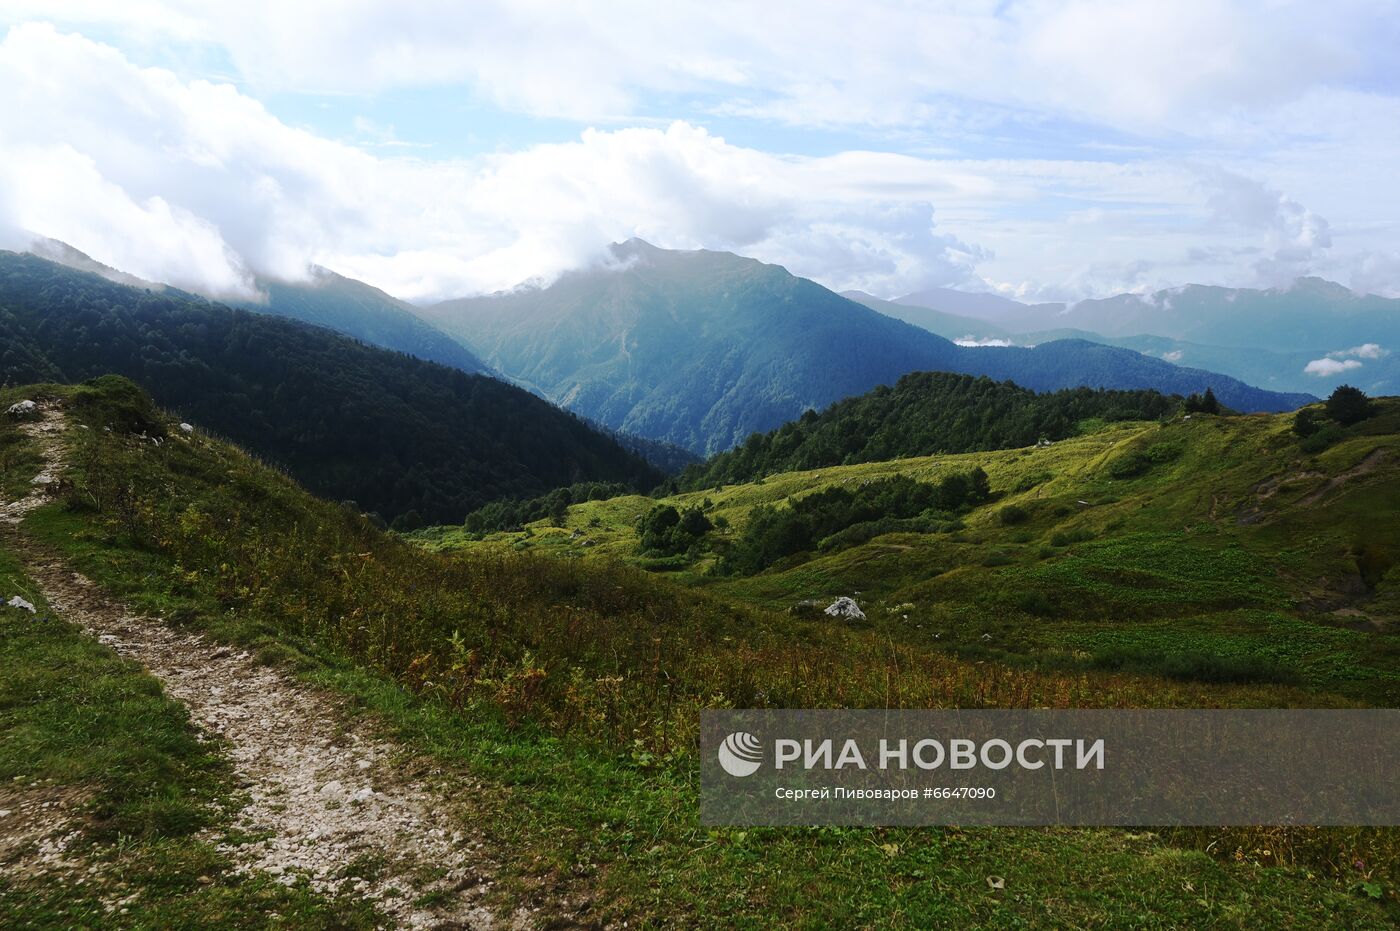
(981,486)
(557,502)
(1349,405)
(1209,404)
(1305,423)
(1203,404)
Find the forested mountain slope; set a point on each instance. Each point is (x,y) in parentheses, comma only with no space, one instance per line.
(924,413)
(392,433)
(703,348)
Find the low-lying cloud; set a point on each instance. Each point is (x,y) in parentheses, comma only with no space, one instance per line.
(196,184)
(1327,367)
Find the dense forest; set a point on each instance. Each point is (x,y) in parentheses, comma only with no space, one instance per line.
(515,513)
(837,517)
(391,433)
(923,414)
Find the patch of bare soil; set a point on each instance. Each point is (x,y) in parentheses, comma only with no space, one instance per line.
(329,800)
(38,825)
(1367,465)
(1256,512)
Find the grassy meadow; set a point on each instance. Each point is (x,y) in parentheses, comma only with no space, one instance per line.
(569,678)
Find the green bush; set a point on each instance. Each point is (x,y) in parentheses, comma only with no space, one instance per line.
(1195,666)
(669,532)
(1129,465)
(1070,537)
(1034,602)
(1322,439)
(1348,405)
(1030,481)
(867,510)
(1013,514)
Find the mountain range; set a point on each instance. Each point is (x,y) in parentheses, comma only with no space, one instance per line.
(392,433)
(704,348)
(1309,337)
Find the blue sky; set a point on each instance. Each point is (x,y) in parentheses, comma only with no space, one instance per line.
(1045,150)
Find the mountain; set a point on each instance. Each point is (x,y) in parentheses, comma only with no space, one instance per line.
(704,348)
(980,305)
(1279,338)
(364,312)
(393,433)
(325,299)
(1312,314)
(957,327)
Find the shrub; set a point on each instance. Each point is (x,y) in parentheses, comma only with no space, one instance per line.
(866,510)
(1349,405)
(1034,602)
(1129,465)
(1069,537)
(1013,514)
(1030,481)
(1195,666)
(1305,423)
(1159,453)
(669,532)
(1322,439)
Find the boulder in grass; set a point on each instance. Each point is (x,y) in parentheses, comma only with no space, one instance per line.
(186,428)
(23,410)
(18,602)
(846,609)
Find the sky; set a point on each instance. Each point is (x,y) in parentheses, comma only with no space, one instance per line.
(1042,150)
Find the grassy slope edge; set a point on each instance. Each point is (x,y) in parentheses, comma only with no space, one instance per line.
(571,687)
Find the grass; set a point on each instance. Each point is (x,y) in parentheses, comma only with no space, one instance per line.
(1077,555)
(571,687)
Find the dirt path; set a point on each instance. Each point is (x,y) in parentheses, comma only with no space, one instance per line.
(329,798)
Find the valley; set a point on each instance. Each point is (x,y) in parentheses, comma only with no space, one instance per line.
(571,680)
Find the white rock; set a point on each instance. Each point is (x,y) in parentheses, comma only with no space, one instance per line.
(18,602)
(846,609)
(186,428)
(21,408)
(331,788)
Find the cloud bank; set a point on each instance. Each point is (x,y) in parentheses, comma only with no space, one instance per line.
(195,182)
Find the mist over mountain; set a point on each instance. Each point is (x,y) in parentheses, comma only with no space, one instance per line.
(325,299)
(1309,337)
(703,348)
(349,421)
(364,312)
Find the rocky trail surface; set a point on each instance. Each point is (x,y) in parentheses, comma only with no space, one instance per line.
(329,800)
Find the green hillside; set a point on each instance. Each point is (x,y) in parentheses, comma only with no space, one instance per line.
(703,348)
(1214,542)
(392,433)
(569,688)
(924,413)
(364,312)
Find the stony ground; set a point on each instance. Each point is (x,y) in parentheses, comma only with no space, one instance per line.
(329,800)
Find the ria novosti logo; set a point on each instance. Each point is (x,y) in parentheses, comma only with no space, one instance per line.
(741,754)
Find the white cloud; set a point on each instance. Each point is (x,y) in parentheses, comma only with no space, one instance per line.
(198,185)
(1198,66)
(1328,367)
(1295,238)
(1364,351)
(195,181)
